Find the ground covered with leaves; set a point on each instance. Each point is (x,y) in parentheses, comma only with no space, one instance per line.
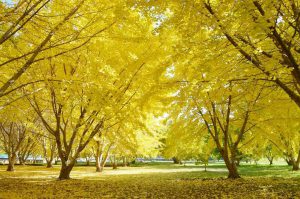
(152,181)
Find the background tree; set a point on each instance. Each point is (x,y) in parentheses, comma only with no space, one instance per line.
(284,134)
(13,135)
(27,148)
(48,146)
(16,132)
(271,153)
(101,148)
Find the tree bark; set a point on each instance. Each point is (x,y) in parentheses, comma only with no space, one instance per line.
(10,167)
(105,158)
(99,168)
(49,164)
(11,162)
(296,163)
(65,171)
(98,157)
(101,158)
(295,166)
(230,164)
(233,172)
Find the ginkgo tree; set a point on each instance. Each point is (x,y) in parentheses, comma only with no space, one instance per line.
(101,148)
(271,46)
(185,141)
(263,36)
(229,114)
(46,142)
(34,31)
(101,77)
(283,133)
(15,133)
(96,57)
(215,43)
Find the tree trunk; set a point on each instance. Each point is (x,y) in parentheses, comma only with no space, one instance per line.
(124,162)
(98,157)
(21,161)
(114,162)
(65,171)
(11,162)
(49,164)
(103,160)
(295,167)
(296,163)
(270,160)
(289,161)
(233,172)
(176,160)
(87,162)
(34,160)
(10,167)
(99,168)
(231,165)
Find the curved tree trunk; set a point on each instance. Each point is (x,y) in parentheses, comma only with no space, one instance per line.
(66,170)
(65,173)
(289,161)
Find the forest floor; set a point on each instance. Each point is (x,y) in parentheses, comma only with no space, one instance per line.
(151,181)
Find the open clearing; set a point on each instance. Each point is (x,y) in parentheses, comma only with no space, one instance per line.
(151,181)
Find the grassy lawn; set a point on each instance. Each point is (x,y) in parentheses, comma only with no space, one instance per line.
(151,181)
